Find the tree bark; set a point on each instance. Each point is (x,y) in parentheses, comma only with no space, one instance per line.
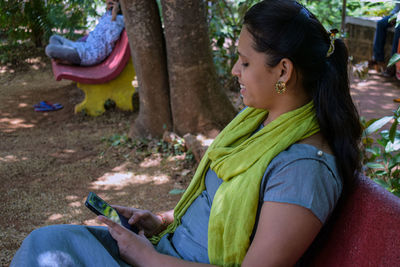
(143,26)
(198,102)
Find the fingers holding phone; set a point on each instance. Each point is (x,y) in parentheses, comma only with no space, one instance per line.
(100,207)
(143,219)
(133,248)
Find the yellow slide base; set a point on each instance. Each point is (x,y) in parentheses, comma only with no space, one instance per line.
(120,90)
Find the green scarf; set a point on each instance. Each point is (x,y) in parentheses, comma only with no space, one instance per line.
(240,158)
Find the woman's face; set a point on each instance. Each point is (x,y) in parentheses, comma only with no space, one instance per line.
(256,79)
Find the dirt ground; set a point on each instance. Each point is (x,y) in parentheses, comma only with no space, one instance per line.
(50,161)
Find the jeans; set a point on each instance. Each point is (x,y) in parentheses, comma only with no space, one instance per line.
(380,39)
(62,48)
(68,246)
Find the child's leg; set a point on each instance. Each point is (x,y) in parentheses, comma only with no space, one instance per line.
(63,52)
(59,40)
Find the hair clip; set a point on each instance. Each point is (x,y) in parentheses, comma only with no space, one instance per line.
(331,49)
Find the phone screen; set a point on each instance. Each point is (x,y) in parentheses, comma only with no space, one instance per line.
(103,208)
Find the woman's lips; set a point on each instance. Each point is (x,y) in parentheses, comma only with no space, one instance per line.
(242,89)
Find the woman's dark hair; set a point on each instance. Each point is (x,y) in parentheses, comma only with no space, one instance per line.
(286,29)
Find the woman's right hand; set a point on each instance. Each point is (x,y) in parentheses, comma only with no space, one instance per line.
(143,219)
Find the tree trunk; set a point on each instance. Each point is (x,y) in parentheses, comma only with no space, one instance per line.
(143,26)
(198,102)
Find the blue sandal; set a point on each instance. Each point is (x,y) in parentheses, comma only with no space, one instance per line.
(44,106)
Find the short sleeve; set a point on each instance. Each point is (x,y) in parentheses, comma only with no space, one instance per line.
(307,182)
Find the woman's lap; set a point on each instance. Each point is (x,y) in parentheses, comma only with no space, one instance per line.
(68,245)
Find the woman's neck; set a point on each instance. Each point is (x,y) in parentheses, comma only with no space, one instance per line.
(293,98)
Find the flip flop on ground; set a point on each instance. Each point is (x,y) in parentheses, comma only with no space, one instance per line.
(44,106)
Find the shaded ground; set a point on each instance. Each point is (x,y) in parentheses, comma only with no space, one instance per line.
(49,161)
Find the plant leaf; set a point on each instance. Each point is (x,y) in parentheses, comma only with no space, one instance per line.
(392,131)
(381,173)
(390,147)
(374,151)
(374,165)
(394,59)
(381,183)
(378,124)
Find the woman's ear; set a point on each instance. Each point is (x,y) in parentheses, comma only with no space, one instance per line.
(286,69)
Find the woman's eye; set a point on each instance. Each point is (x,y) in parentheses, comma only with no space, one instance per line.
(245,64)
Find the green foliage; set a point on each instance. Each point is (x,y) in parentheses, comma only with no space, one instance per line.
(146,146)
(118,140)
(36,20)
(382,156)
(330,12)
(369,8)
(225,20)
(394,59)
(14,53)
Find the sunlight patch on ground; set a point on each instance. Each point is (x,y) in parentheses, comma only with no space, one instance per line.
(121,179)
(11,124)
(151,162)
(160,179)
(22,105)
(92,222)
(12,158)
(55,217)
(71,197)
(36,63)
(121,168)
(6,69)
(118,178)
(204,140)
(176,158)
(66,153)
(391,95)
(75,204)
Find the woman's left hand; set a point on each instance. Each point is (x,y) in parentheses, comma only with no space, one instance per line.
(135,249)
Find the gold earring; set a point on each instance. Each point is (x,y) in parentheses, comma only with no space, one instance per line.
(280,87)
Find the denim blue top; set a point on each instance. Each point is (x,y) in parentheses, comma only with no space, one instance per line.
(301,175)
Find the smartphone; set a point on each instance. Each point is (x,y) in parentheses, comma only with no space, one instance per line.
(100,207)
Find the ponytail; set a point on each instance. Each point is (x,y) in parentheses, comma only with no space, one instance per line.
(337,116)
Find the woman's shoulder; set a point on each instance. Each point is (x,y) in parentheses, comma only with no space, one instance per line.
(302,151)
(303,175)
(304,158)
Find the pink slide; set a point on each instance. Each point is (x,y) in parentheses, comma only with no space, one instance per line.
(107,70)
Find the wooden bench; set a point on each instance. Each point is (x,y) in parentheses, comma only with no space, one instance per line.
(365,230)
(111,79)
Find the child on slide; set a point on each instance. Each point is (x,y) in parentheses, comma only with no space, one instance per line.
(98,44)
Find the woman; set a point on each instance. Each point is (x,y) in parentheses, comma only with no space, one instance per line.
(269,181)
(96,46)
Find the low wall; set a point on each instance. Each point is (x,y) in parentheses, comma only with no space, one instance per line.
(360,38)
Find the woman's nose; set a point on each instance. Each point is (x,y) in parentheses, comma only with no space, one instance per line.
(235,70)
